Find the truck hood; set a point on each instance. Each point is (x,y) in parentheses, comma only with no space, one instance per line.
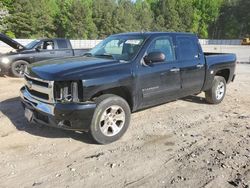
(68,68)
(12,43)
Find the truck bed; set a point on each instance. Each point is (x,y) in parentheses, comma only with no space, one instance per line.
(217,58)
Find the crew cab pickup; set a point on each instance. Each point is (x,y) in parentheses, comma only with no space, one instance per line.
(123,74)
(15,62)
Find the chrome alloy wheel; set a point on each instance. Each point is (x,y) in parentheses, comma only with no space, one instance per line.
(20,68)
(220,90)
(112,120)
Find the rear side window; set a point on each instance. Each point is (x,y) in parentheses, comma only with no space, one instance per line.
(187,48)
(164,45)
(62,44)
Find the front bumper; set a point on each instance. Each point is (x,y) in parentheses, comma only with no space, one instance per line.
(71,116)
(4,68)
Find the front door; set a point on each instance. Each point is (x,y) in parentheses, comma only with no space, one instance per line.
(46,50)
(159,82)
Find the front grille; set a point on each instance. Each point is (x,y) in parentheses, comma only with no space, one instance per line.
(43,84)
(40,89)
(38,94)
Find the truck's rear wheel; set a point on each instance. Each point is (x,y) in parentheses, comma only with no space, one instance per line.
(111,119)
(18,68)
(217,92)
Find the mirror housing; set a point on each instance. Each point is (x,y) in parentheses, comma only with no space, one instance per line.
(154,57)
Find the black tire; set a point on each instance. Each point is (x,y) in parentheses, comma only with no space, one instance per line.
(104,104)
(212,96)
(18,67)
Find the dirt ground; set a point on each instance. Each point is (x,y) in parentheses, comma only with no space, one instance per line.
(186,143)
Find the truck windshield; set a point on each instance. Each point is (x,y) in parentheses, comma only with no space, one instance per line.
(118,47)
(32,44)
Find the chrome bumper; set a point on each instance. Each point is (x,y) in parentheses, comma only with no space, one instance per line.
(36,104)
(73,116)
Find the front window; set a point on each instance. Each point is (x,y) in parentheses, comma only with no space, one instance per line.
(118,47)
(47,45)
(164,45)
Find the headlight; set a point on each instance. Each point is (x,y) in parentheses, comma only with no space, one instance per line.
(67,91)
(5,60)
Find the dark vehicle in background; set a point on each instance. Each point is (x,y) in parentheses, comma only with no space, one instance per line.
(123,74)
(15,62)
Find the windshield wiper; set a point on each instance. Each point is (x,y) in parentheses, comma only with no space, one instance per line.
(88,54)
(104,55)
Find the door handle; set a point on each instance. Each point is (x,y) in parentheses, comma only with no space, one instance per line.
(199,66)
(52,52)
(197,56)
(175,70)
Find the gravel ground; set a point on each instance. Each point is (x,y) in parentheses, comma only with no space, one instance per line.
(186,143)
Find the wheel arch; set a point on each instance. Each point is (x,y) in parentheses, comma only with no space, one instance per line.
(225,73)
(26,60)
(21,59)
(120,91)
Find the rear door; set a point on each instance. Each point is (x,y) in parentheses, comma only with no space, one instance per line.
(159,82)
(192,64)
(63,48)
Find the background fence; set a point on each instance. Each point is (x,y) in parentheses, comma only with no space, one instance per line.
(219,46)
(92,43)
(75,43)
(219,42)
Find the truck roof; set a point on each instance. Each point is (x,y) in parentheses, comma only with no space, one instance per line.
(155,33)
(51,39)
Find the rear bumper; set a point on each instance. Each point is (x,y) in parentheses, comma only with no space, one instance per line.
(72,116)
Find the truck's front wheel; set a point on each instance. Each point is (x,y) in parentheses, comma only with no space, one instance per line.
(18,68)
(111,119)
(217,92)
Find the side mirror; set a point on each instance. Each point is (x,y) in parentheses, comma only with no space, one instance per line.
(154,57)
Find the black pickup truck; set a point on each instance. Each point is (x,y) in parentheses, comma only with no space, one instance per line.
(123,74)
(15,62)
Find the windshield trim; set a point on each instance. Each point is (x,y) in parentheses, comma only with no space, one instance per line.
(143,43)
